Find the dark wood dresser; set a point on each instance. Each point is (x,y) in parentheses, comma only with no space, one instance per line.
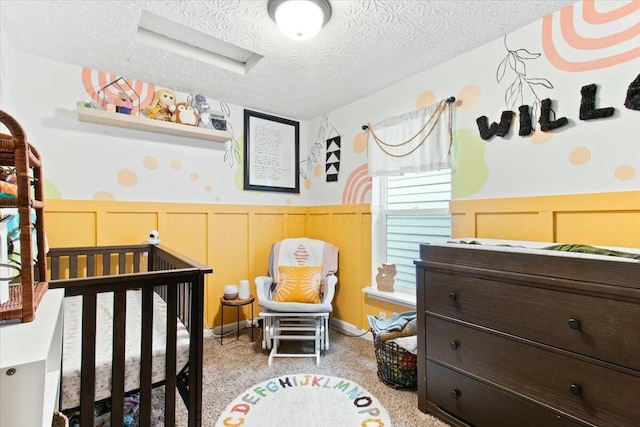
(514,339)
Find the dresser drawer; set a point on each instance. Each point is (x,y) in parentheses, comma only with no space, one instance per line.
(597,327)
(480,404)
(585,390)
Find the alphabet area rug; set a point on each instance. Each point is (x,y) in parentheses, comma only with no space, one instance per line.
(305,400)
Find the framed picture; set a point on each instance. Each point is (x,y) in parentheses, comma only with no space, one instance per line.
(271,153)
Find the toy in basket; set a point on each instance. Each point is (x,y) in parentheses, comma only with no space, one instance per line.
(397,365)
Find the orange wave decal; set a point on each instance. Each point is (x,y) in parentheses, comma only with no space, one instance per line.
(598,51)
(592,16)
(358,186)
(94,80)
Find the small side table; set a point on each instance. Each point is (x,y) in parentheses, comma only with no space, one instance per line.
(236,303)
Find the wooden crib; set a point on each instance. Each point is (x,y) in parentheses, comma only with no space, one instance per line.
(157,273)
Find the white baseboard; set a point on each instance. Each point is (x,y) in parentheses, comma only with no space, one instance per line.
(349,329)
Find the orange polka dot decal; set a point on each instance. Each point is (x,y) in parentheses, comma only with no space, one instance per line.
(624,172)
(127,178)
(150,162)
(468,98)
(425,99)
(103,195)
(358,186)
(139,92)
(611,40)
(580,156)
(360,142)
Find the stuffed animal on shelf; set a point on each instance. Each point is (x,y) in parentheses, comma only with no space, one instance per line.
(204,111)
(162,106)
(185,114)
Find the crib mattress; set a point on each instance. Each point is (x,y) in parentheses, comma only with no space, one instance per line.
(72,345)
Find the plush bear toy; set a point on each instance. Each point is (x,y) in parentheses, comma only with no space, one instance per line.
(185,114)
(162,106)
(385,277)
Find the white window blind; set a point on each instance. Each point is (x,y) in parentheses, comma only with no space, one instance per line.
(416,212)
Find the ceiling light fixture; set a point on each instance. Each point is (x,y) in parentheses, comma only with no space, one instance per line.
(299,19)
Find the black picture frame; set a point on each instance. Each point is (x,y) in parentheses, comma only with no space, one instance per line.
(271,153)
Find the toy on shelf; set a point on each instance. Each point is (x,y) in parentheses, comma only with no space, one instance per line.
(185,114)
(125,105)
(208,118)
(162,105)
(123,102)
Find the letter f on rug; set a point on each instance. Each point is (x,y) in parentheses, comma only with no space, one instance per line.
(309,400)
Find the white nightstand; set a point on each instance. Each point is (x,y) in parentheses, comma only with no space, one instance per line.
(30,363)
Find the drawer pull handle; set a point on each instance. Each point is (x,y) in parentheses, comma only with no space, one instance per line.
(453,345)
(575,389)
(453,296)
(574,324)
(455,393)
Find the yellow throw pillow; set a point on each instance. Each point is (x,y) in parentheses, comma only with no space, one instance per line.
(298,283)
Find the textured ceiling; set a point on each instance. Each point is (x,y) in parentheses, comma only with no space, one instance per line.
(367,44)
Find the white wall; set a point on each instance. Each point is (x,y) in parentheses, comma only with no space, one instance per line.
(89,161)
(583,157)
(86,161)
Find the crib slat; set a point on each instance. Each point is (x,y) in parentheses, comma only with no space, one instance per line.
(195,350)
(73,266)
(170,382)
(88,361)
(55,268)
(106,264)
(122,258)
(117,372)
(145,356)
(91,266)
(136,262)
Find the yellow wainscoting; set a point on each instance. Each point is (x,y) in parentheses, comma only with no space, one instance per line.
(349,228)
(607,219)
(235,240)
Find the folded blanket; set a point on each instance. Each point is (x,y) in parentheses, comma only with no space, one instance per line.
(586,249)
(395,323)
(411,328)
(409,343)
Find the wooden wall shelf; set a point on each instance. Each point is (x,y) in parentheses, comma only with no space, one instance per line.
(92,115)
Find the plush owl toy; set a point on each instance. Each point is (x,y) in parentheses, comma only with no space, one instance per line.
(185,114)
(162,106)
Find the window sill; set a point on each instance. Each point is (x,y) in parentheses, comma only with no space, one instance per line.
(406,300)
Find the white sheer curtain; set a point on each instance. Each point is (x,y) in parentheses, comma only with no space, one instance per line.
(416,141)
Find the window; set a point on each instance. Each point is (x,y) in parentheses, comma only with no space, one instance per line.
(409,210)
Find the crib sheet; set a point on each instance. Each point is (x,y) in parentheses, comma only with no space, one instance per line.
(72,344)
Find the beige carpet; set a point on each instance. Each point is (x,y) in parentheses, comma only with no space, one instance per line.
(235,366)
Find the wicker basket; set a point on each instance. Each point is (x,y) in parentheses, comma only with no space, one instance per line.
(397,367)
